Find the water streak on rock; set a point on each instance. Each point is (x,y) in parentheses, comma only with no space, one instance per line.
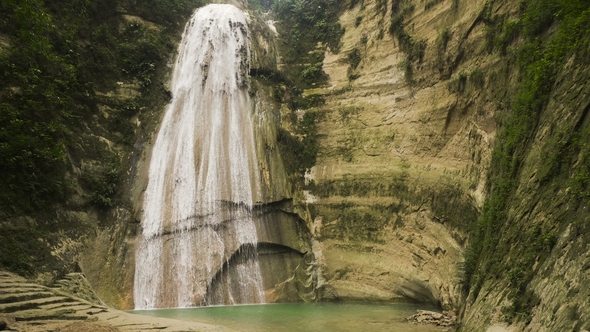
(203,172)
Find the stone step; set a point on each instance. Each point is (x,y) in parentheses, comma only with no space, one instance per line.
(62,282)
(61,305)
(36,313)
(40,322)
(45,316)
(16,291)
(24,296)
(46,325)
(7,286)
(77,306)
(9,275)
(33,304)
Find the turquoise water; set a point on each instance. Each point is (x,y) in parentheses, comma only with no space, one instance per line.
(303,317)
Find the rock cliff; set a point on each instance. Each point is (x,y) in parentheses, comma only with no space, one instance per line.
(450,153)
(402,156)
(430,121)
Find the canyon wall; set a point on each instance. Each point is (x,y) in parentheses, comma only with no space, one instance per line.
(403,155)
(419,190)
(434,146)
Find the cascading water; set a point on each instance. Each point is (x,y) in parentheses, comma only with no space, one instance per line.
(203,175)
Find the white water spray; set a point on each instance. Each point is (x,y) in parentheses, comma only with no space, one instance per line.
(203,174)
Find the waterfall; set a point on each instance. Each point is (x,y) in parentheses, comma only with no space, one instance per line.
(204,177)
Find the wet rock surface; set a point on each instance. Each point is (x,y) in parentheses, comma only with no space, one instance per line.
(443,319)
(26,306)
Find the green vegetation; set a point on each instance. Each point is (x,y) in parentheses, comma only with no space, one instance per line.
(59,55)
(540,56)
(42,95)
(307,26)
(477,77)
(358,21)
(299,152)
(408,68)
(359,224)
(59,61)
(450,205)
(465,82)
(22,249)
(458,83)
(431,3)
(364,40)
(381,7)
(414,49)
(443,40)
(354,58)
(105,186)
(263,5)
(354,3)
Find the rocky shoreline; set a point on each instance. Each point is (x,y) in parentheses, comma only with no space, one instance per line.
(69,305)
(447,319)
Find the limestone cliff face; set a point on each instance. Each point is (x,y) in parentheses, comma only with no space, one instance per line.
(545,213)
(402,160)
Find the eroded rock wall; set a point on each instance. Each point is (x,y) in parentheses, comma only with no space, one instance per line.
(402,158)
(545,235)
(406,141)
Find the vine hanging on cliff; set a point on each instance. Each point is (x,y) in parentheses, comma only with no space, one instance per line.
(539,60)
(414,49)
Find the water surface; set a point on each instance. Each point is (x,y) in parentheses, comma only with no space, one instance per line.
(304,317)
